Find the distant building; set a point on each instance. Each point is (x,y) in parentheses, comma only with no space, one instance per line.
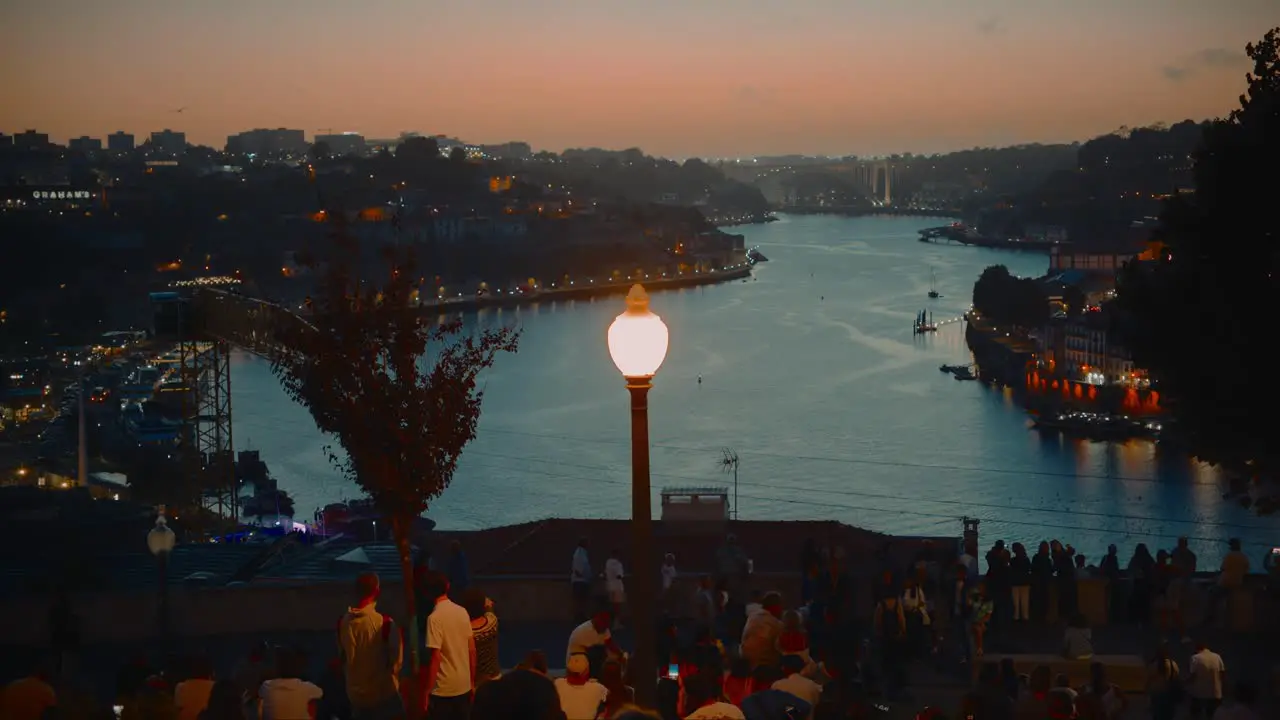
(168,142)
(1080,348)
(6,141)
(508,151)
(120,141)
(1100,262)
(261,141)
(31,140)
(343,144)
(85,144)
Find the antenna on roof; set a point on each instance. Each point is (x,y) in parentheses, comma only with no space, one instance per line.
(729,463)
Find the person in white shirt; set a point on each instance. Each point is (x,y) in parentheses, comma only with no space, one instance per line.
(451,667)
(668,579)
(1243,698)
(703,700)
(613,575)
(593,633)
(581,697)
(289,697)
(795,683)
(580,580)
(1204,684)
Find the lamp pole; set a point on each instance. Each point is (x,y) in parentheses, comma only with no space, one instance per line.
(638,344)
(160,541)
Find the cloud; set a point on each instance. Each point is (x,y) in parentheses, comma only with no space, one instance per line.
(1209,58)
(990,26)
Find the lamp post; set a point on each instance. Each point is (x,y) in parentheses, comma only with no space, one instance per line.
(638,345)
(160,541)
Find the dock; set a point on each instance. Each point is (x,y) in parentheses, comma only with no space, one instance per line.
(959,234)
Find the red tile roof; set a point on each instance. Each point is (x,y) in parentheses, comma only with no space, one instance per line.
(546,547)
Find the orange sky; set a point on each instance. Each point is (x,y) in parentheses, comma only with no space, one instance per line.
(675,77)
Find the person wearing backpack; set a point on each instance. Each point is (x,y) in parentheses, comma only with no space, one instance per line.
(1164,686)
(371,648)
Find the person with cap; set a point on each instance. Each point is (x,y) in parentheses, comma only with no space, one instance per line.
(581,697)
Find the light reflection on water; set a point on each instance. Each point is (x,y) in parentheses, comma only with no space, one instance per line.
(812,374)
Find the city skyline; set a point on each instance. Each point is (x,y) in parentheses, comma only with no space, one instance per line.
(819,77)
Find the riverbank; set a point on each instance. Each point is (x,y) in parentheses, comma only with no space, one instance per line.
(591,290)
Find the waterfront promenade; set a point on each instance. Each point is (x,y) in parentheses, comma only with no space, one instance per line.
(589,289)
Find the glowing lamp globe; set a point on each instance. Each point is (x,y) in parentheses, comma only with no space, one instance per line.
(637,337)
(160,540)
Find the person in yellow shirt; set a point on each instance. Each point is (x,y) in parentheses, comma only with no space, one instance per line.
(1235,565)
(28,697)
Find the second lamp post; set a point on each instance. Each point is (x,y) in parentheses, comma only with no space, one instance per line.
(638,345)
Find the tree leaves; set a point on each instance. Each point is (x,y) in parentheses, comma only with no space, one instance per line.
(394,387)
(1197,317)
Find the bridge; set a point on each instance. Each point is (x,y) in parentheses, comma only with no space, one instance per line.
(204,322)
(876,178)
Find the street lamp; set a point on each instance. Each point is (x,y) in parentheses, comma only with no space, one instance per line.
(160,541)
(638,345)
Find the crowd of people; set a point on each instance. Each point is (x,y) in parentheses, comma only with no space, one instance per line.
(732,651)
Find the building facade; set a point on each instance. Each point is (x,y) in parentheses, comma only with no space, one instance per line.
(262,141)
(168,142)
(343,144)
(1079,348)
(31,140)
(120,142)
(85,144)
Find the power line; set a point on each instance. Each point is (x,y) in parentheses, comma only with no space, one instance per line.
(853,461)
(887,511)
(882,496)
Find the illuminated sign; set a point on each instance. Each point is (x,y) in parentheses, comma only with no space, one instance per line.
(61,194)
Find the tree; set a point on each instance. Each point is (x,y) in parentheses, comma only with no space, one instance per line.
(457,155)
(1194,315)
(418,151)
(394,387)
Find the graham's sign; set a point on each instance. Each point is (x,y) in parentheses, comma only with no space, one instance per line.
(61,194)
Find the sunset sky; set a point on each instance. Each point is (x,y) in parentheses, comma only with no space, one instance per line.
(674,77)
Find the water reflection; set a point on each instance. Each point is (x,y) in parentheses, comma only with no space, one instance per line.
(836,410)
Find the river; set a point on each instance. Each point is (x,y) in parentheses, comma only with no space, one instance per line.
(811,374)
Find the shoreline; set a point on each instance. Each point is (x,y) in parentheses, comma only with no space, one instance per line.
(464,304)
(868,212)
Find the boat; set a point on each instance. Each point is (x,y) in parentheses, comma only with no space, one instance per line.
(923,324)
(965,373)
(933,282)
(1097,426)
